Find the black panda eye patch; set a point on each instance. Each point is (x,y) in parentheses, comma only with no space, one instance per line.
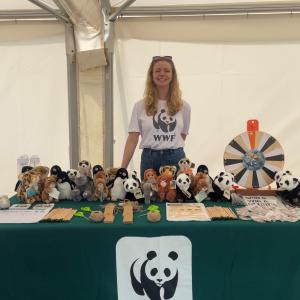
(153,272)
(167,272)
(287,182)
(179,180)
(227,182)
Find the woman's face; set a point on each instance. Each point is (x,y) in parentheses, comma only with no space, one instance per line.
(162,73)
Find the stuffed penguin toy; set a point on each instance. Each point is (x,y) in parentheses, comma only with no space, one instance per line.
(288,187)
(117,191)
(221,187)
(64,185)
(183,188)
(55,170)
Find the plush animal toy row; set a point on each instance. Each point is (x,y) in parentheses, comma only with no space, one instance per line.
(183,186)
(95,184)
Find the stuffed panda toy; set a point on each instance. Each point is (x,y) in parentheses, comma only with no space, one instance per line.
(183,188)
(72,173)
(158,276)
(164,122)
(288,187)
(117,191)
(279,174)
(221,187)
(132,186)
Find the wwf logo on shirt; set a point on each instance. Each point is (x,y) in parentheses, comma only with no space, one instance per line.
(164,122)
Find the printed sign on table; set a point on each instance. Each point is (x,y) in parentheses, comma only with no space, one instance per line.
(154,268)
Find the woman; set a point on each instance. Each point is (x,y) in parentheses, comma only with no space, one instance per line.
(162,119)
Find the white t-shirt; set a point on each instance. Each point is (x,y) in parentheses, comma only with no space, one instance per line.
(160,131)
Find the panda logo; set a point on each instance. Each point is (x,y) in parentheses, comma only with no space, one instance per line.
(158,276)
(164,122)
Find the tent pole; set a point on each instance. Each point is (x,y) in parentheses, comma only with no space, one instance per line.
(74,141)
(213,9)
(51,10)
(114,16)
(108,37)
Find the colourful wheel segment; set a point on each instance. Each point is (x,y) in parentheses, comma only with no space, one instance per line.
(253,157)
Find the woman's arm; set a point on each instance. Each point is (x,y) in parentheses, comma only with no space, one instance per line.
(132,140)
(183,136)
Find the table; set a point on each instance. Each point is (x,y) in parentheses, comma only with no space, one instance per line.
(76,260)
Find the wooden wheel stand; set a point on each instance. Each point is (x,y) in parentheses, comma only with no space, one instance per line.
(256,192)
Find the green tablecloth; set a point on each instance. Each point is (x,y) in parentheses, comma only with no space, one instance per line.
(230,259)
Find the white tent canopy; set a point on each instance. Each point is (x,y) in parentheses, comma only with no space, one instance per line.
(236,60)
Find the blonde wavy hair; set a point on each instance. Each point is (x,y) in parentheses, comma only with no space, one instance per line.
(174,101)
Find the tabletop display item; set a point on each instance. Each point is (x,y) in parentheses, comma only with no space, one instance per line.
(269,213)
(4,202)
(201,186)
(288,188)
(96,216)
(221,187)
(166,184)
(43,206)
(60,215)
(186,212)
(185,166)
(253,157)
(20,206)
(109,213)
(221,213)
(149,186)
(153,213)
(183,187)
(128,213)
(21,214)
(132,186)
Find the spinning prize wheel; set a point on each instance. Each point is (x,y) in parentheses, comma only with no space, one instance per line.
(253,157)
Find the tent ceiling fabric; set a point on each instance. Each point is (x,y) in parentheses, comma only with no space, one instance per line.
(117,3)
(24,4)
(86,17)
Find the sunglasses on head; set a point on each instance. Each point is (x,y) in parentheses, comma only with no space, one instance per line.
(168,57)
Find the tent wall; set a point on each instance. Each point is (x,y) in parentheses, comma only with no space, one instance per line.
(231,69)
(34,100)
(91,103)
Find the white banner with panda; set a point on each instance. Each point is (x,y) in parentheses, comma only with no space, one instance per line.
(154,268)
